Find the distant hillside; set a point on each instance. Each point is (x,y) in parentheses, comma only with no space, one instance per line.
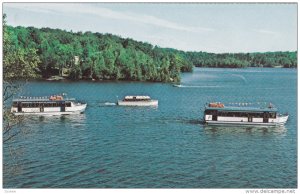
(109,57)
(99,56)
(236,60)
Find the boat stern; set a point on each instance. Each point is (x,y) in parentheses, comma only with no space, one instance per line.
(283,118)
(83,107)
(79,107)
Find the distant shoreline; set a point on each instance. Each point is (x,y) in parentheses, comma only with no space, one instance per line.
(60,78)
(97,56)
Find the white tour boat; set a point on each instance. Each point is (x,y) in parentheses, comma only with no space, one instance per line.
(137,101)
(53,105)
(219,114)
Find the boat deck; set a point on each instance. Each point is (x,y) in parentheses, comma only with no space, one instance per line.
(242,109)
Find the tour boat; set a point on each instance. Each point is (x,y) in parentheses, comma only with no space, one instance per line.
(137,101)
(242,114)
(53,105)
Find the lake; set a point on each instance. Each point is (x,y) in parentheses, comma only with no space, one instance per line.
(165,147)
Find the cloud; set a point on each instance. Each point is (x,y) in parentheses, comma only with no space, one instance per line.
(93,9)
(268,32)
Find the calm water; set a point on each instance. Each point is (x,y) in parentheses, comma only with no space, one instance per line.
(164,147)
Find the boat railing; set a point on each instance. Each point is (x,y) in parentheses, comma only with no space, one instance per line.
(261,105)
(42,98)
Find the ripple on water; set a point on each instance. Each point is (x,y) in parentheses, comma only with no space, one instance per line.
(163,147)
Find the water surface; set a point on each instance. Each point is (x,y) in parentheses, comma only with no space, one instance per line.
(163,147)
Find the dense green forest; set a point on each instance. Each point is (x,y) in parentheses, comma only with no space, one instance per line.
(98,56)
(237,60)
(88,55)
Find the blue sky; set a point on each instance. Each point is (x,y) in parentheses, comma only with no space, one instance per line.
(214,28)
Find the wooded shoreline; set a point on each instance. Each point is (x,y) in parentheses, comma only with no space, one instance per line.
(94,56)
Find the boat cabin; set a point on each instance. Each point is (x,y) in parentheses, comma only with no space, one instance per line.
(137,98)
(222,113)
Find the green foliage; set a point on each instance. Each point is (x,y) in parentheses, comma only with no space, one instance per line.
(239,60)
(19,61)
(46,52)
(101,56)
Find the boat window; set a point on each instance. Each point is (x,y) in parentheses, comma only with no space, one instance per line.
(272,115)
(258,115)
(252,114)
(241,114)
(51,104)
(222,114)
(209,112)
(234,114)
(244,114)
(68,104)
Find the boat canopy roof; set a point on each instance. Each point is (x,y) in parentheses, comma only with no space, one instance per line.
(41,99)
(242,109)
(137,97)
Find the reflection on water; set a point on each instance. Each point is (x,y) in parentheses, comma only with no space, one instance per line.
(78,118)
(276,130)
(33,122)
(160,147)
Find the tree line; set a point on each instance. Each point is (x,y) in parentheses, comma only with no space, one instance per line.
(97,56)
(240,60)
(88,55)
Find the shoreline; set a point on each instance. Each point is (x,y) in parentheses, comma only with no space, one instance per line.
(65,79)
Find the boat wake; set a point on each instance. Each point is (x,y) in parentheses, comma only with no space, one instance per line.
(108,104)
(241,77)
(194,86)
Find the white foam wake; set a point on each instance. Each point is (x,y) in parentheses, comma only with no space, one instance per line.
(110,103)
(195,86)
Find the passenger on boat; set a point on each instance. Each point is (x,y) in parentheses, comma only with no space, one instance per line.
(216,105)
(55,97)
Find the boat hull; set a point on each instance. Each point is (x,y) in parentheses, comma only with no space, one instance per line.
(78,109)
(138,103)
(280,121)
